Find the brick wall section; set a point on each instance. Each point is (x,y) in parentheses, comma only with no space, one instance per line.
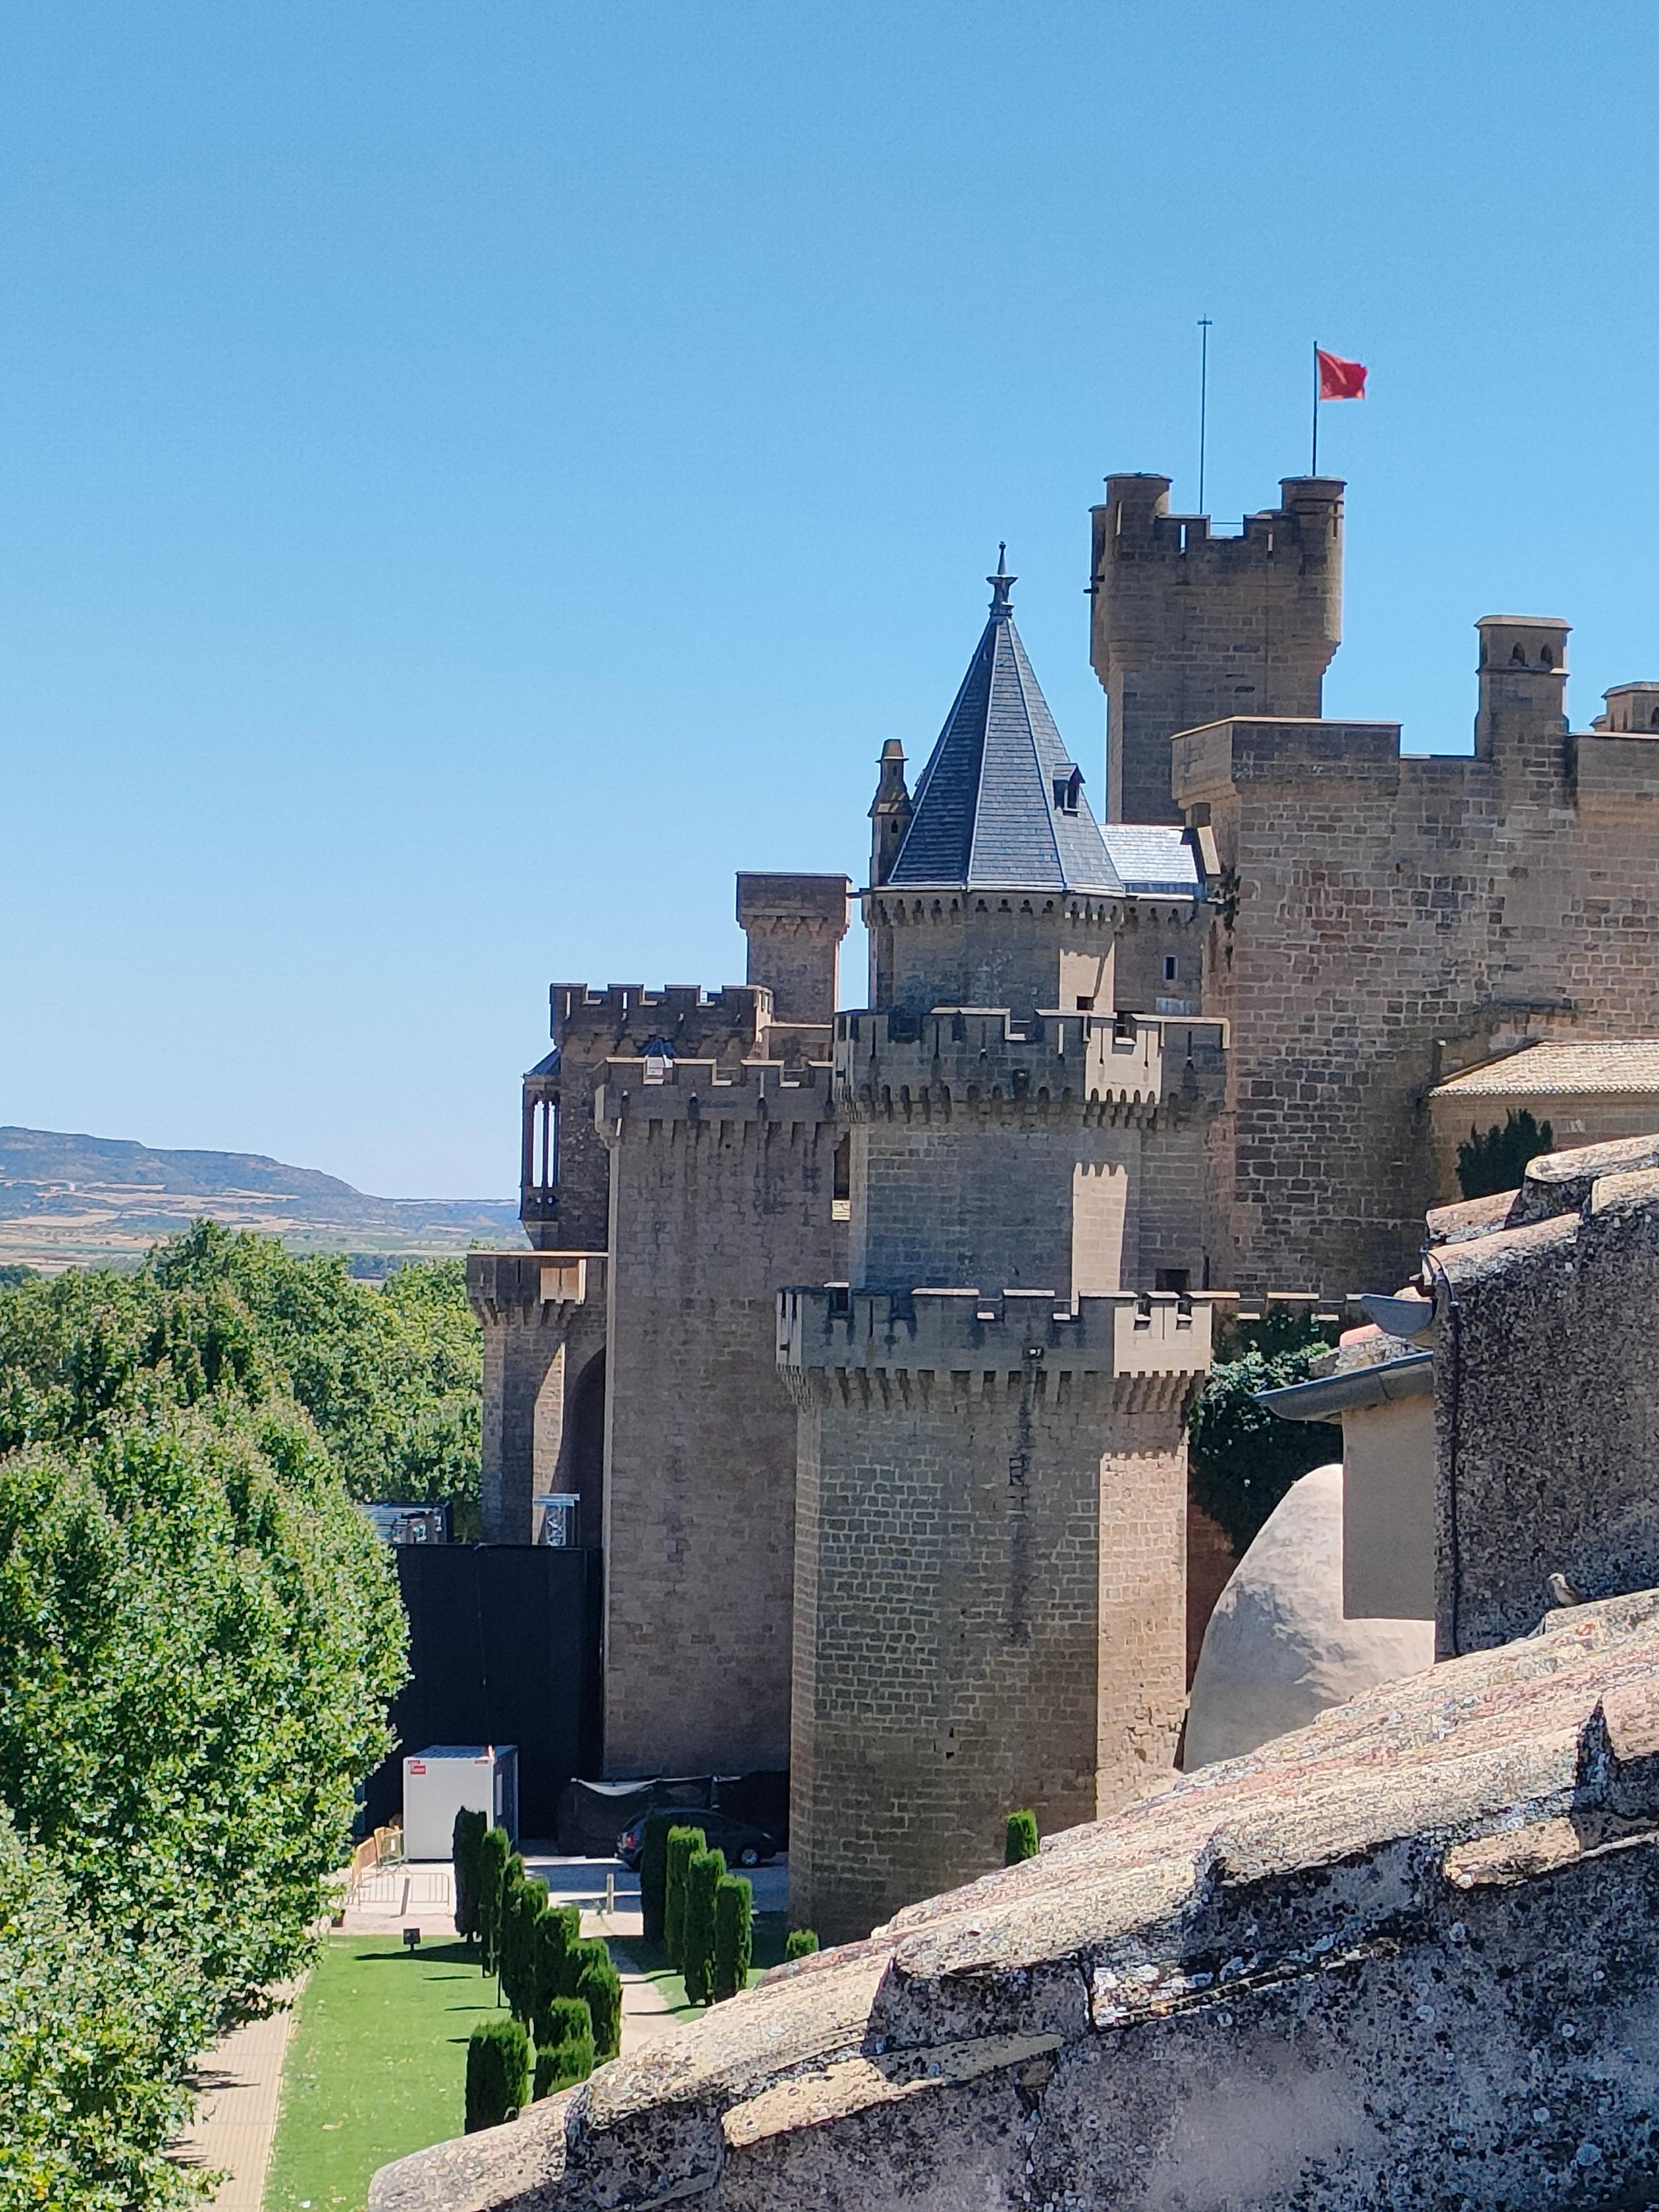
(719,1195)
(988,1618)
(1383,919)
(1188,628)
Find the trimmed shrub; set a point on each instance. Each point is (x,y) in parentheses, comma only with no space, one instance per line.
(469,1833)
(1497,1160)
(558,1929)
(703,1878)
(653,1872)
(525,1908)
(564,2046)
(495,1849)
(598,1986)
(588,1952)
(497,2072)
(734,1935)
(800,1943)
(682,1843)
(1021,1841)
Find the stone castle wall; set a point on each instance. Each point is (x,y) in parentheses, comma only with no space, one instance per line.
(989,1582)
(720,1191)
(1377,913)
(1187,628)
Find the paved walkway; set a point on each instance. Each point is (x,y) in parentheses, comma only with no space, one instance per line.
(239,2084)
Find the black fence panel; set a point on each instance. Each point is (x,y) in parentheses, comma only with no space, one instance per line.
(503,1648)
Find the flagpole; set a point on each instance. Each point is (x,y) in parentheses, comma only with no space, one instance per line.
(1314,469)
(1203,398)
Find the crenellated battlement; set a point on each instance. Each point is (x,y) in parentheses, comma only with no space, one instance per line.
(1186,627)
(949,1331)
(980,1056)
(710,1091)
(683,1014)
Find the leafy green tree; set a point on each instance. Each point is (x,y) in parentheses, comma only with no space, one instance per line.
(1022,1841)
(1497,1160)
(800,1943)
(734,1941)
(94,2039)
(1242,1458)
(703,1878)
(390,1375)
(198,1639)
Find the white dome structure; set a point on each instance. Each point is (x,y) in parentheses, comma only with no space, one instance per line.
(1278,1650)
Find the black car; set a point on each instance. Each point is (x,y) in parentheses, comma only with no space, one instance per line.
(743,1843)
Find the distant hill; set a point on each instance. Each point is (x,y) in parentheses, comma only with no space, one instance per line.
(101,1201)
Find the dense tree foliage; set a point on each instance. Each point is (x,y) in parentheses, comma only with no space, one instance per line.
(94,2041)
(199,1637)
(389,1375)
(1242,1458)
(1496,1159)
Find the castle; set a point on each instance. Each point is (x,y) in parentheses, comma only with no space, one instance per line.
(863,1338)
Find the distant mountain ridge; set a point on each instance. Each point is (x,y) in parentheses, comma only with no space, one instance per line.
(71,1200)
(49,1156)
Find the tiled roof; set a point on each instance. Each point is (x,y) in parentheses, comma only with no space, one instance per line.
(1148,857)
(986,815)
(1559,1070)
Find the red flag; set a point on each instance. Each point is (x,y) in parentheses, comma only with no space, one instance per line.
(1340,379)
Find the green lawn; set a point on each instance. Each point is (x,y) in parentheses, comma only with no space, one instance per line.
(376,2067)
(771,1931)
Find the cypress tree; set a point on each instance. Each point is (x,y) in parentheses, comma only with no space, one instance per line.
(703,1878)
(800,1943)
(467,1835)
(564,2053)
(558,1929)
(495,1849)
(682,1843)
(1021,1840)
(599,1988)
(734,1921)
(653,1872)
(497,2072)
(526,1907)
(589,1951)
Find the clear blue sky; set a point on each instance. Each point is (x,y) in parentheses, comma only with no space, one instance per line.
(473,477)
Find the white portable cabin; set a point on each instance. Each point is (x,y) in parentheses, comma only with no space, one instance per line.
(444,1777)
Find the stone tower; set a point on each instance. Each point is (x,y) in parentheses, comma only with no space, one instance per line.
(1188,628)
(991,1490)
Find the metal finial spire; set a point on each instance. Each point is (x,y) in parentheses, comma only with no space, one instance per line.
(1001,584)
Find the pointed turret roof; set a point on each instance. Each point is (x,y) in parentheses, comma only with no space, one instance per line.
(999,805)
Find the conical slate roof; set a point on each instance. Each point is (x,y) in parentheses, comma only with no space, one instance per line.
(988,814)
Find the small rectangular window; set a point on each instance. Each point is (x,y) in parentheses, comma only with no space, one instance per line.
(1170,967)
(1179,1280)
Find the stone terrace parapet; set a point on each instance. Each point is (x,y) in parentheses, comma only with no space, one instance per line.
(501,1282)
(956,1331)
(974,1054)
